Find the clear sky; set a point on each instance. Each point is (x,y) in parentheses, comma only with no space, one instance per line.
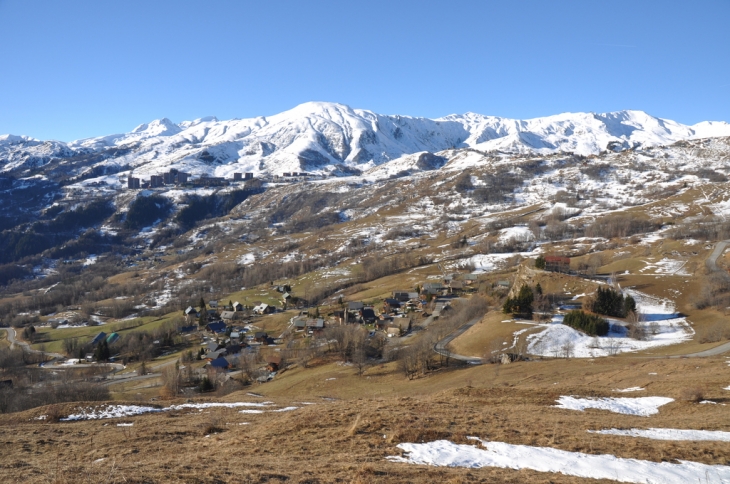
(79,68)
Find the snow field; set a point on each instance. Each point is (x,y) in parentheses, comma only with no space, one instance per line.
(661,323)
(443,453)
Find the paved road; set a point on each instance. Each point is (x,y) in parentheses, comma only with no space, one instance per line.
(711,261)
(12,338)
(440,347)
(717,350)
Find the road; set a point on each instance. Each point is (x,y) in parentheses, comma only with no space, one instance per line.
(440,347)
(711,261)
(12,338)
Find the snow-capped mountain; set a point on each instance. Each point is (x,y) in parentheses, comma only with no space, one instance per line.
(332,138)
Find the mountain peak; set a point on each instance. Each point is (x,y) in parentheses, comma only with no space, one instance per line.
(158,127)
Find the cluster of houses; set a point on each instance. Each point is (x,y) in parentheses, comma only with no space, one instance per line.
(389,317)
(175,177)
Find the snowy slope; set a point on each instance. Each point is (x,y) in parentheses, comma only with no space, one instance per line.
(333,138)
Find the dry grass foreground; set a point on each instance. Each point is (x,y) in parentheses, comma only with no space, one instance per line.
(347,440)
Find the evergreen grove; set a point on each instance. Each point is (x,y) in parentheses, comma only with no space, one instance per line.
(590,324)
(522,303)
(613,303)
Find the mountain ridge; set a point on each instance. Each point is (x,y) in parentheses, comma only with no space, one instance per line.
(331,138)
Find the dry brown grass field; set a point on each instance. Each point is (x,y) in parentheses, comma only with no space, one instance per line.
(353,424)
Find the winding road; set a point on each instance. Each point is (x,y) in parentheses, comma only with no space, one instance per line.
(440,347)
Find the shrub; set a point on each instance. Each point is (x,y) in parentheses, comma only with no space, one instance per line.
(692,394)
(590,324)
(540,262)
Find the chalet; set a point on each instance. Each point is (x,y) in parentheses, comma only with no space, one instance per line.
(213,304)
(338,316)
(212,346)
(470,279)
(315,325)
(390,305)
(191,313)
(503,284)
(233,349)
(355,306)
(299,323)
(557,264)
(273,363)
(217,327)
(368,315)
(261,337)
(286,297)
(404,296)
(237,306)
(432,288)
(212,355)
(263,308)
(228,315)
(98,338)
(220,363)
(456,286)
(235,335)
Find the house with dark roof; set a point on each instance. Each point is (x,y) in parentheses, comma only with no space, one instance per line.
(233,349)
(368,315)
(315,325)
(220,363)
(98,338)
(390,305)
(217,327)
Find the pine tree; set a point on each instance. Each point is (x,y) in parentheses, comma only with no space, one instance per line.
(102,351)
(540,262)
(538,289)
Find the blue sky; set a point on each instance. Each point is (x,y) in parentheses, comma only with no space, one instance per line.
(81,68)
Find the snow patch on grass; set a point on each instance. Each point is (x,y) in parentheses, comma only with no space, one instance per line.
(443,453)
(669,434)
(641,406)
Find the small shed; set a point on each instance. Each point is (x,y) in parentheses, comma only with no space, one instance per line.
(237,306)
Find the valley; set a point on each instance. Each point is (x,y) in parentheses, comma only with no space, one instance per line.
(374,315)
